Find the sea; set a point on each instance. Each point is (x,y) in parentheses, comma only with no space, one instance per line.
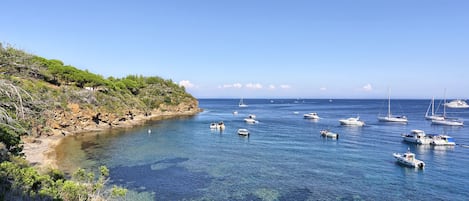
(284,158)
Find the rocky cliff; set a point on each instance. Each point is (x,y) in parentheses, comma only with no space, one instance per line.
(43,97)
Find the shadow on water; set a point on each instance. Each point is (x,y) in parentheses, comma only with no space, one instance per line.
(165,178)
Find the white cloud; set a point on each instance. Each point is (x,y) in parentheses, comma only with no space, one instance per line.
(235,85)
(285,86)
(186,84)
(367,87)
(271,86)
(254,86)
(323,89)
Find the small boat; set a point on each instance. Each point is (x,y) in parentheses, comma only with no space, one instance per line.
(352,121)
(458,103)
(243,132)
(392,118)
(409,159)
(213,125)
(218,126)
(312,115)
(417,136)
(432,115)
(235,112)
(443,140)
(241,103)
(327,133)
(251,121)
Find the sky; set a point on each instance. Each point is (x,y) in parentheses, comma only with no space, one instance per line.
(257,48)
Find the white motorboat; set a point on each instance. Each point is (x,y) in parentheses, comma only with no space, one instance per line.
(251,121)
(327,133)
(432,115)
(213,125)
(443,140)
(243,131)
(409,159)
(458,103)
(312,115)
(417,137)
(352,121)
(218,126)
(392,118)
(241,103)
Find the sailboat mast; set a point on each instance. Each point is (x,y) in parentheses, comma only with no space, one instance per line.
(433,106)
(444,105)
(389,102)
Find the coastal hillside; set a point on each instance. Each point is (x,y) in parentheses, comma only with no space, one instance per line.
(40,96)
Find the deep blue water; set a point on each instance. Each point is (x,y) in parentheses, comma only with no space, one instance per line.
(284,158)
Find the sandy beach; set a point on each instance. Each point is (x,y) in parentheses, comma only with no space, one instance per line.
(41,151)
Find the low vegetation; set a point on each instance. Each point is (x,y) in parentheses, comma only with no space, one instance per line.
(31,87)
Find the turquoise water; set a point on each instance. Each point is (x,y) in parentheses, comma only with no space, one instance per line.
(284,158)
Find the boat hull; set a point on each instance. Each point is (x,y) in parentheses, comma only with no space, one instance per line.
(447,123)
(393,119)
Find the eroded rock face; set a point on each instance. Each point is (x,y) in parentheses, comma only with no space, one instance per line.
(78,119)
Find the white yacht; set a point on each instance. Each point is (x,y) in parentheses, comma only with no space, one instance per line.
(352,121)
(409,159)
(241,103)
(443,140)
(432,115)
(312,115)
(243,132)
(417,137)
(327,133)
(458,103)
(392,118)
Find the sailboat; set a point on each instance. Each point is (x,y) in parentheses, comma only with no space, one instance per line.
(389,117)
(241,103)
(433,116)
(447,121)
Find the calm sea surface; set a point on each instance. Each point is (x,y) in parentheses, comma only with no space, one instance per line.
(284,158)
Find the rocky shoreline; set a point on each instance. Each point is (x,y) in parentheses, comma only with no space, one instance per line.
(41,151)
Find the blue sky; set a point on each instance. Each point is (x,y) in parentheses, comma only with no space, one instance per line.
(257,48)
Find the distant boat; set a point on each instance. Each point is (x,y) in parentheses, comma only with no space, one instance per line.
(409,159)
(458,103)
(352,121)
(219,126)
(432,115)
(241,103)
(392,118)
(312,115)
(329,134)
(251,119)
(243,132)
(447,121)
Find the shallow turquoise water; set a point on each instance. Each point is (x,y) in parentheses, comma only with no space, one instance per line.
(284,158)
